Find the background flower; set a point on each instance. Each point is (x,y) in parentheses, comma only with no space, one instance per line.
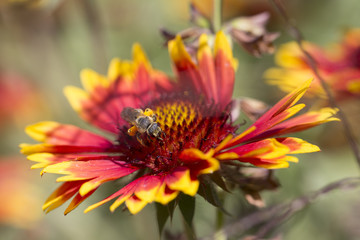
(338,65)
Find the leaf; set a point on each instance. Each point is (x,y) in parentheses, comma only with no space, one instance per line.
(218,179)
(208,192)
(162,214)
(187,208)
(171,207)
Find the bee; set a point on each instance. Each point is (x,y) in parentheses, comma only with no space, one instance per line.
(143,122)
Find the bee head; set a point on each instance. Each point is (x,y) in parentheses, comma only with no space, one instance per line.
(154,130)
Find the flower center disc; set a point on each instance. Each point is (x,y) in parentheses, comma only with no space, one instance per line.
(185,123)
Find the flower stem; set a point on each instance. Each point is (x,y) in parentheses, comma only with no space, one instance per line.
(219,219)
(217,9)
(220,213)
(219,225)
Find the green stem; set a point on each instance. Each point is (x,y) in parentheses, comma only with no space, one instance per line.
(219,219)
(217,9)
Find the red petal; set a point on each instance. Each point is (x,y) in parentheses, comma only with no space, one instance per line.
(213,76)
(62,134)
(61,195)
(103,170)
(123,194)
(77,200)
(131,85)
(278,113)
(225,76)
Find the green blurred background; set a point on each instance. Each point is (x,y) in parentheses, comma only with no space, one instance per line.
(48,42)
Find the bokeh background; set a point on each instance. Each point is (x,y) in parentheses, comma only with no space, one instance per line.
(45,43)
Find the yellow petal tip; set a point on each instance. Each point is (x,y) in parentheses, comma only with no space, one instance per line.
(76,96)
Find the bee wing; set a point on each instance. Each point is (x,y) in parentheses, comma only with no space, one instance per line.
(130,114)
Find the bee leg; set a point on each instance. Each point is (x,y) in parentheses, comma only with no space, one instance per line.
(132,131)
(160,137)
(140,140)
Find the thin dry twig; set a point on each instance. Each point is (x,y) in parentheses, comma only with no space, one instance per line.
(296,34)
(270,218)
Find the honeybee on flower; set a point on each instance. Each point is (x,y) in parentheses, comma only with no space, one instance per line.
(143,122)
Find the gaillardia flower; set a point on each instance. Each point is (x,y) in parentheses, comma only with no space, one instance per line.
(197,133)
(339,65)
